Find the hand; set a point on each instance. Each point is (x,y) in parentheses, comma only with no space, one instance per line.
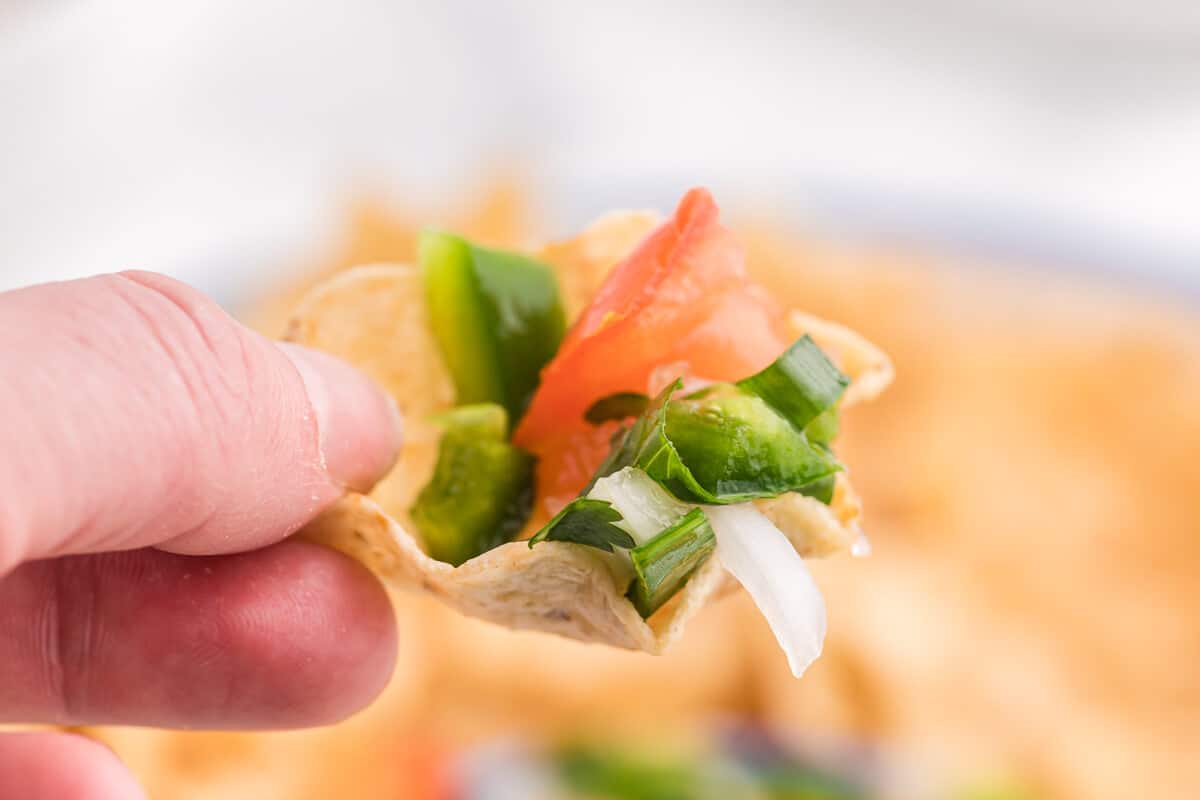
(153,456)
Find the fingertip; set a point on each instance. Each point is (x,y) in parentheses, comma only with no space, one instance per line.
(338,657)
(64,766)
(359,424)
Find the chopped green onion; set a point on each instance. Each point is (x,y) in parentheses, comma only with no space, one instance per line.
(586,521)
(646,507)
(481,492)
(824,429)
(801,384)
(497,318)
(663,565)
(616,407)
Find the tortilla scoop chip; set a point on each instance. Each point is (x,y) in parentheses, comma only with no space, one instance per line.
(375,318)
(555,587)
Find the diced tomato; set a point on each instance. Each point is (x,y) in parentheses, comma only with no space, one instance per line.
(567,462)
(741,335)
(681,296)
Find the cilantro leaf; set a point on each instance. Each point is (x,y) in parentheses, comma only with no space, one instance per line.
(589,522)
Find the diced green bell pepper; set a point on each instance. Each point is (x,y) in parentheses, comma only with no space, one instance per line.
(496,315)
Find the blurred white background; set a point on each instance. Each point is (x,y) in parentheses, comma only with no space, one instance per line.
(217,139)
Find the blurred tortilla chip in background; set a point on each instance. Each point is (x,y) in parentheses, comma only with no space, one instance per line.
(377,232)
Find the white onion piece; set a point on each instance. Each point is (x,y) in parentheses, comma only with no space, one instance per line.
(647,508)
(765,563)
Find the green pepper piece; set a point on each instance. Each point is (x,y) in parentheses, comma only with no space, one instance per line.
(481,492)
(736,448)
(720,445)
(820,490)
(496,315)
(483,420)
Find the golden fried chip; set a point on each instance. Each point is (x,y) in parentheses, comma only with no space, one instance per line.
(374,317)
(555,587)
(815,529)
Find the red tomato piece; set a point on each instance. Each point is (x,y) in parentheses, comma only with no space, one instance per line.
(681,296)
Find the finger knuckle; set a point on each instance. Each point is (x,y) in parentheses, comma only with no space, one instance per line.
(209,355)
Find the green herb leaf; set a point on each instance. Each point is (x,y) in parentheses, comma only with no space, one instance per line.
(616,406)
(801,384)
(663,565)
(481,492)
(496,315)
(584,521)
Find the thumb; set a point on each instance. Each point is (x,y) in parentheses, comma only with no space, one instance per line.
(135,412)
(52,766)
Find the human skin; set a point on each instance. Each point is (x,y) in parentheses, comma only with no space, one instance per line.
(154,457)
